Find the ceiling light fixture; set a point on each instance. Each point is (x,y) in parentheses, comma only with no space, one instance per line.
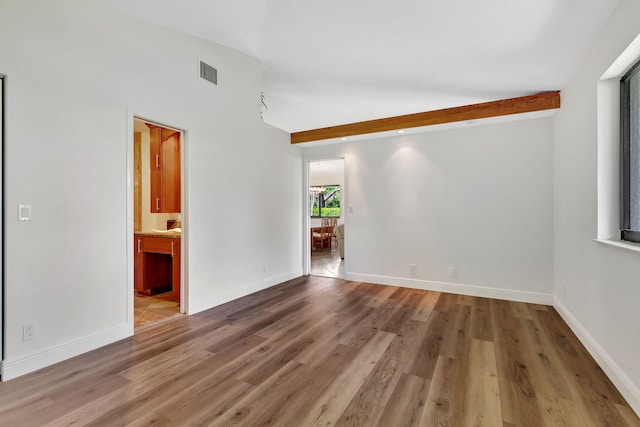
(343,139)
(401,131)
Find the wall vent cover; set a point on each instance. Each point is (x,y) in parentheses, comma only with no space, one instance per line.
(208,73)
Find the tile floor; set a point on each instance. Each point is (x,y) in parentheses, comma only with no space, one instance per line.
(327,263)
(151,310)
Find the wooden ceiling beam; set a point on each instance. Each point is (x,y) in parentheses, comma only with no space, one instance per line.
(523,104)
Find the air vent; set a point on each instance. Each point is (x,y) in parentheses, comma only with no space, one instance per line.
(208,73)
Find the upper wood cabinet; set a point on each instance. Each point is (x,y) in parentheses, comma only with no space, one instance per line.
(154,148)
(164,161)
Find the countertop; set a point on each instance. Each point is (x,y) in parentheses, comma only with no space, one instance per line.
(168,234)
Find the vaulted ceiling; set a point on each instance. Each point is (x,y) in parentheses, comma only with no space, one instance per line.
(330,62)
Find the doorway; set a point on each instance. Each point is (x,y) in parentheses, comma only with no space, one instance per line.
(326,216)
(157,223)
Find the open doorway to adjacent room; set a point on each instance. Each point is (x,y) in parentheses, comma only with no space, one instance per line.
(326,222)
(157,222)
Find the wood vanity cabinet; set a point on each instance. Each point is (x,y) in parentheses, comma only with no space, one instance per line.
(164,162)
(156,264)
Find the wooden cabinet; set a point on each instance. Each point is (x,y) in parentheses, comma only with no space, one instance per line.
(164,162)
(156,264)
(155,135)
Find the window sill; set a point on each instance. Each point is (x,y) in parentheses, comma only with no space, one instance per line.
(635,247)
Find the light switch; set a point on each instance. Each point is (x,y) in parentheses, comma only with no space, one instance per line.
(24,212)
(350,208)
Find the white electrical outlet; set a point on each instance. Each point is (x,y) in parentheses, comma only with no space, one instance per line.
(413,270)
(453,272)
(24,212)
(28,331)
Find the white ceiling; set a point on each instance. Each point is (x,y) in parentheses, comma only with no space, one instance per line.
(329,62)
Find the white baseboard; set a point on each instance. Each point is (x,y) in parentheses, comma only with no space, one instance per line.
(240,291)
(455,288)
(627,388)
(15,368)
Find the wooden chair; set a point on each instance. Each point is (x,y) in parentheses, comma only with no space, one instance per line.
(333,223)
(325,234)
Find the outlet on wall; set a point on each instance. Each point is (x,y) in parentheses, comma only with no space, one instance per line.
(28,331)
(413,270)
(453,272)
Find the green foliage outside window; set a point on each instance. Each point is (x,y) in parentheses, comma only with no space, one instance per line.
(325,201)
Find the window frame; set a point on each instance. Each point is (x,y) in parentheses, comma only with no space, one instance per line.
(320,215)
(626,233)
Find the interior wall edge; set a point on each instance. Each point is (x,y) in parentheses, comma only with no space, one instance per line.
(219,298)
(455,288)
(617,376)
(14,368)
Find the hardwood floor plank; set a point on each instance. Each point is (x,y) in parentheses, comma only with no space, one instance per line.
(322,351)
(439,402)
(560,412)
(330,404)
(251,328)
(368,404)
(405,406)
(518,399)
(629,416)
(592,391)
(546,369)
(204,402)
(66,398)
(200,377)
(284,398)
(405,306)
(150,419)
(38,405)
(482,394)
(521,310)
(426,306)
(333,332)
(481,323)
(426,349)
(82,415)
(382,296)
(370,322)
(279,356)
(456,332)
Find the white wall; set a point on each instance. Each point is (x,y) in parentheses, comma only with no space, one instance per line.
(78,75)
(2,221)
(596,285)
(477,198)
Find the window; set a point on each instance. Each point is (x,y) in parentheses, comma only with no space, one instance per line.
(630,154)
(325,201)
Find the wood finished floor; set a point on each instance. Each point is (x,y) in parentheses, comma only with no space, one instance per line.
(318,351)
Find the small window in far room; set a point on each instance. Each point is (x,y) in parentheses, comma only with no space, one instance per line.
(630,154)
(325,201)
